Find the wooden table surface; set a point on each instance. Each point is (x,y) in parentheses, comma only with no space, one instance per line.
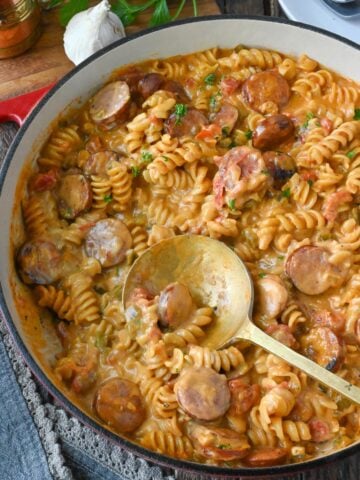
(20,75)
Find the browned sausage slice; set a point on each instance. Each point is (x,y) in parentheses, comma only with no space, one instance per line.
(175,305)
(309,269)
(39,262)
(282,334)
(97,163)
(150,84)
(109,102)
(177,89)
(190,124)
(323,346)
(272,131)
(74,195)
(226,117)
(265,87)
(118,403)
(108,241)
(320,430)
(132,77)
(220,444)
(203,393)
(266,457)
(243,396)
(280,166)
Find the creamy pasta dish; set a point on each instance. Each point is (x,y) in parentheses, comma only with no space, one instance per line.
(254,148)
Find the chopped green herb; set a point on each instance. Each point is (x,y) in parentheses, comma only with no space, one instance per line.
(68,213)
(286,193)
(224,446)
(357,114)
(248,134)
(310,182)
(165,158)
(281,257)
(108,198)
(231,204)
(225,131)
(146,156)
(135,171)
(262,275)
(351,154)
(265,172)
(166,405)
(309,116)
(210,79)
(180,111)
(232,144)
(71,8)
(214,100)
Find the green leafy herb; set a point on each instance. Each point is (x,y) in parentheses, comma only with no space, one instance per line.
(213,101)
(135,171)
(351,154)
(161,14)
(224,446)
(281,257)
(225,131)
(146,156)
(210,79)
(129,13)
(309,116)
(262,275)
(231,204)
(165,158)
(53,3)
(180,112)
(248,134)
(108,198)
(71,8)
(357,114)
(286,193)
(310,182)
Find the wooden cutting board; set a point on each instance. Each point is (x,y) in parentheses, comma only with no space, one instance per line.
(46,62)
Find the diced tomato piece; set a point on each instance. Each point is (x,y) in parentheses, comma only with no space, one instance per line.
(209,131)
(228,85)
(45,181)
(333,202)
(320,430)
(308,175)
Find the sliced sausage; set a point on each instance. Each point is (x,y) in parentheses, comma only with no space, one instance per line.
(272,131)
(320,430)
(74,195)
(226,117)
(175,305)
(97,163)
(39,262)
(188,125)
(282,334)
(229,85)
(150,83)
(327,318)
(303,409)
(202,393)
(265,87)
(243,396)
(109,102)
(280,167)
(311,272)
(108,241)
(79,368)
(177,89)
(132,77)
(323,346)
(266,457)
(272,296)
(220,444)
(118,403)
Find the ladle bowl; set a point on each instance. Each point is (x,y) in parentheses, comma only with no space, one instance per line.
(218,278)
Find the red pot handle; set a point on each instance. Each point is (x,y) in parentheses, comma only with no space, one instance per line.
(18,108)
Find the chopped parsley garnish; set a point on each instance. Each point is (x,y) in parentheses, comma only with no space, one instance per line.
(165,158)
(225,131)
(135,171)
(281,257)
(108,198)
(214,100)
(224,446)
(357,114)
(231,204)
(310,182)
(146,156)
(262,275)
(309,116)
(248,134)
(180,112)
(286,193)
(351,154)
(210,79)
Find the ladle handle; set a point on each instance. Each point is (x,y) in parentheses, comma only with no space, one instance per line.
(311,368)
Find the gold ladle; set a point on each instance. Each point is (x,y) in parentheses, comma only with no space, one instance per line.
(217,277)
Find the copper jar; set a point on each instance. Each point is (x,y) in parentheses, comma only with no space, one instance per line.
(19,26)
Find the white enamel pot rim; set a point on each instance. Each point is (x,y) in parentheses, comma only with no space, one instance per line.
(179,37)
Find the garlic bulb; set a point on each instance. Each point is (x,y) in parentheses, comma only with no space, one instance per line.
(89,31)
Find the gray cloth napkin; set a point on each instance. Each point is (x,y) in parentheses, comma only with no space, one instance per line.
(40,441)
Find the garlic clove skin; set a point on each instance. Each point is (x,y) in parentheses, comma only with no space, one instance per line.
(89,31)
